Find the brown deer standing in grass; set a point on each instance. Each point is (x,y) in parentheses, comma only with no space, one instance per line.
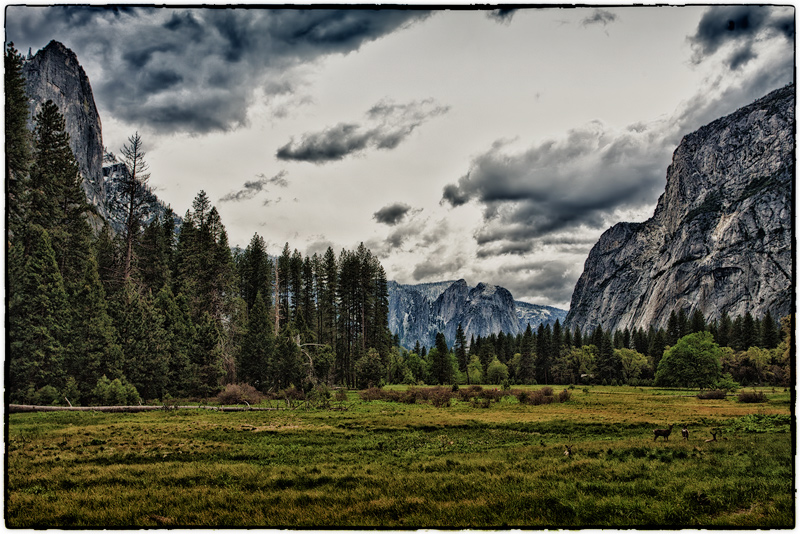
(662,432)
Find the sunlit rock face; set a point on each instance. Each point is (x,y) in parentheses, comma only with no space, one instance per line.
(54,73)
(720,238)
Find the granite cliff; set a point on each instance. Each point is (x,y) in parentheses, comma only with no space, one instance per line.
(54,73)
(418,312)
(720,239)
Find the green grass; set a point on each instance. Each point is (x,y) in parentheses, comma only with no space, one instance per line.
(382,464)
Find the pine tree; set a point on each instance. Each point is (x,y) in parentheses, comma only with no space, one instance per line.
(255,273)
(673,329)
(441,370)
(93,351)
(179,335)
(256,353)
(57,201)
(37,315)
(17,138)
(698,322)
(135,199)
(724,331)
(143,340)
(770,333)
(206,357)
(609,366)
(527,371)
(460,349)
(153,258)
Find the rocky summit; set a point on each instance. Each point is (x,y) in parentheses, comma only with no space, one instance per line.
(720,239)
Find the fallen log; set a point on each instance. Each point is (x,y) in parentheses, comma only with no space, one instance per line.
(17,408)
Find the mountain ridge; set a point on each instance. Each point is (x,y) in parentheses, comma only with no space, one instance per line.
(418,311)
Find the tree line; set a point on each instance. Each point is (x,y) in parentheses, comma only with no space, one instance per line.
(97,316)
(748,351)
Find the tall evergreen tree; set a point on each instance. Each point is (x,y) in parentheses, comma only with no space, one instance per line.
(37,315)
(179,335)
(57,201)
(17,137)
(770,333)
(93,351)
(527,371)
(143,341)
(257,348)
(441,370)
(460,349)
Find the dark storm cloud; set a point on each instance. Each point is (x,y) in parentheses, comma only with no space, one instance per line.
(502,16)
(196,70)
(252,188)
(392,214)
(599,16)
(742,25)
(388,125)
(563,185)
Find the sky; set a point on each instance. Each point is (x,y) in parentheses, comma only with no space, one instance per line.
(490,145)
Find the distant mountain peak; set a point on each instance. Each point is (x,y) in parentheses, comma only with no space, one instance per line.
(418,312)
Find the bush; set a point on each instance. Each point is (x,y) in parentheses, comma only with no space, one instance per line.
(115,392)
(47,396)
(727,384)
(711,394)
(341,395)
(440,397)
(564,396)
(239,394)
(752,396)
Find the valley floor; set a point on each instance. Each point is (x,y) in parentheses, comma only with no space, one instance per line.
(381,464)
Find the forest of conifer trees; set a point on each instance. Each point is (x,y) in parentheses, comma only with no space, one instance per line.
(97,316)
(148,312)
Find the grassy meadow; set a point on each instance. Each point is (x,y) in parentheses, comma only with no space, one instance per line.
(387,464)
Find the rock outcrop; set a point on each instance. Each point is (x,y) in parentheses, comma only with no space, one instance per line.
(54,73)
(720,239)
(418,312)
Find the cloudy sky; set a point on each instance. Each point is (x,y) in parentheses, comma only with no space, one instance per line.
(489,145)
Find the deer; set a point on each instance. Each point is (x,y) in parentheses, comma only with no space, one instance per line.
(665,432)
(568,450)
(685,433)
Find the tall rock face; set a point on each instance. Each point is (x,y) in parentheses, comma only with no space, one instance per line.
(54,73)
(720,239)
(418,312)
(481,311)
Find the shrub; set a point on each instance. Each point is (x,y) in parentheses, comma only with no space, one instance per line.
(564,396)
(341,395)
(752,396)
(115,392)
(711,394)
(371,394)
(48,395)
(547,391)
(440,397)
(727,384)
(239,394)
